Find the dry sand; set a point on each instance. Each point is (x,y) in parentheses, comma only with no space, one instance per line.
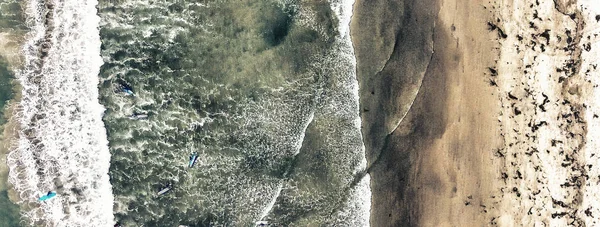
(548,87)
(502,129)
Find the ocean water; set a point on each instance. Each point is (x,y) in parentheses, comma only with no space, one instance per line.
(11,25)
(8,211)
(264,91)
(6,93)
(62,144)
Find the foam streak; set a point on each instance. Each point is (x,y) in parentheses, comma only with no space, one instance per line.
(62,144)
(357,209)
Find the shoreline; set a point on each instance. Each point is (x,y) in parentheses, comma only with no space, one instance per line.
(502,130)
(382,32)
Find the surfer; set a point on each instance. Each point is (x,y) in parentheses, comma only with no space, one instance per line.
(262,223)
(165,189)
(48,196)
(127,91)
(137,116)
(193,159)
(124,87)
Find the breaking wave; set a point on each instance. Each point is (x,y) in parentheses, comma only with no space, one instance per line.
(62,144)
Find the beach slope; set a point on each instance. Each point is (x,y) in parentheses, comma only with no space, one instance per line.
(429,116)
(501,131)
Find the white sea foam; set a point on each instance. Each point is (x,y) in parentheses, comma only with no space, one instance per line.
(62,144)
(357,209)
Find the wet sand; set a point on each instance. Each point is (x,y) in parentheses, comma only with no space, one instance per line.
(436,160)
(500,132)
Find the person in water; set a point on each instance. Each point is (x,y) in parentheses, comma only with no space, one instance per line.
(138,116)
(165,189)
(127,90)
(193,159)
(124,87)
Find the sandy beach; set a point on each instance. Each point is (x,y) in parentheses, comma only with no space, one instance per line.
(437,159)
(499,132)
(473,113)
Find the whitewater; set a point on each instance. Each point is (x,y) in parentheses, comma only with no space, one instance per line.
(357,210)
(62,144)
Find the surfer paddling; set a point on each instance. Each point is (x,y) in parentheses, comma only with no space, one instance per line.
(193,159)
(125,88)
(165,189)
(137,116)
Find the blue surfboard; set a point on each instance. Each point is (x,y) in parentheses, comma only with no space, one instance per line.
(128,91)
(193,159)
(48,196)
